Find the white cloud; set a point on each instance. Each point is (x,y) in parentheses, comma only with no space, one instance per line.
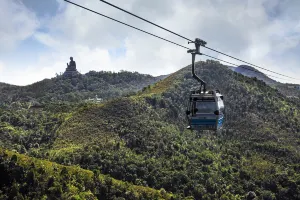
(51,64)
(16,24)
(240,28)
(1,66)
(46,39)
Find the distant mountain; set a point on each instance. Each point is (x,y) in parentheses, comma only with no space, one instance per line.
(252,72)
(105,85)
(289,90)
(162,77)
(231,68)
(141,141)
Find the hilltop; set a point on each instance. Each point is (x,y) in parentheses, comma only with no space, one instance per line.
(105,85)
(252,72)
(142,138)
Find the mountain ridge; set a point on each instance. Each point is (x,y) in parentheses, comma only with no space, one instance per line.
(79,88)
(249,71)
(141,138)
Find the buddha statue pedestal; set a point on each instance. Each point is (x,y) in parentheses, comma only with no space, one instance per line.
(71,71)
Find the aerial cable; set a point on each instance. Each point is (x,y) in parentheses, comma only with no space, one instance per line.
(162,38)
(145,20)
(250,63)
(125,24)
(243,67)
(192,40)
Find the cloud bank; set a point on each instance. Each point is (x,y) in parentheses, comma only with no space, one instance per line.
(263,32)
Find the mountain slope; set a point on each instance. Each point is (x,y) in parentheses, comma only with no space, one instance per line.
(142,139)
(252,72)
(104,84)
(23,177)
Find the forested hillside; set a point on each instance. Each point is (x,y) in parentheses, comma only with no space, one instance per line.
(142,139)
(282,87)
(105,85)
(22,176)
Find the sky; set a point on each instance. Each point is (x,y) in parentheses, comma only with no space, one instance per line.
(38,37)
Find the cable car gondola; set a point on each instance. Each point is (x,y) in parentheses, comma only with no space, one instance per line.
(205,109)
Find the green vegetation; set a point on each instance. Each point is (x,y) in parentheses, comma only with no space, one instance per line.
(106,85)
(23,177)
(141,139)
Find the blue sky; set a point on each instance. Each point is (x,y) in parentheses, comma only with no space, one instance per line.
(42,8)
(46,10)
(42,35)
(25,52)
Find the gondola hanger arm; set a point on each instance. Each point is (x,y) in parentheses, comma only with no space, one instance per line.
(198,42)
